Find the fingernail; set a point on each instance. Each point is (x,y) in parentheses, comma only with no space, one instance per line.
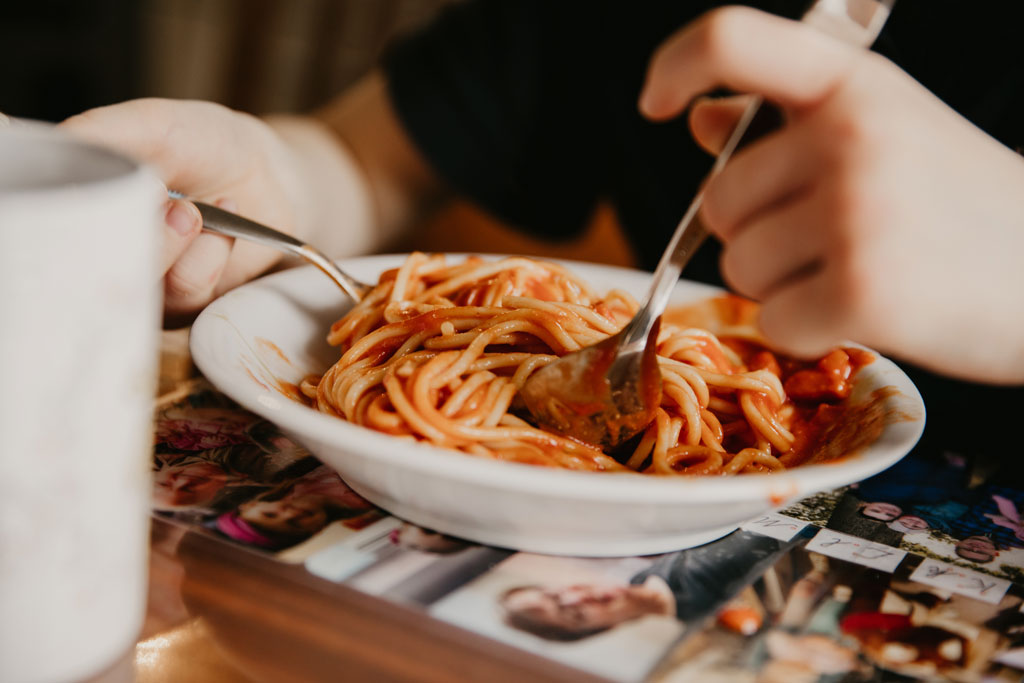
(182,218)
(646,102)
(703,99)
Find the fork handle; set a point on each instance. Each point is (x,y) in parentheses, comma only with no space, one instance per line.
(755,122)
(221,221)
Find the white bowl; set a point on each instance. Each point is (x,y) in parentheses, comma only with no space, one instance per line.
(259,340)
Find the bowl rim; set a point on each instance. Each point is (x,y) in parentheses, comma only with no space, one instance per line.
(302,421)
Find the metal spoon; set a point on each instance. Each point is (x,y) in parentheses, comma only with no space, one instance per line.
(231,224)
(607,393)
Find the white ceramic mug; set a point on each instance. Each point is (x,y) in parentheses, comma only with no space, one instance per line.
(79,326)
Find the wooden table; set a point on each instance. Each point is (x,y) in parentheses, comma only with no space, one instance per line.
(217,612)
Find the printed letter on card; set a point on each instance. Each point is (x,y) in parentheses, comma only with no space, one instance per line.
(773,524)
(973,584)
(852,549)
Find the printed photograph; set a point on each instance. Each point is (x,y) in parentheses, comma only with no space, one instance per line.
(234,475)
(295,513)
(747,607)
(946,508)
(608,616)
(812,618)
(225,472)
(403,562)
(209,454)
(614,617)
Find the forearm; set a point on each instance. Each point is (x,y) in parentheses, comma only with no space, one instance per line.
(358,181)
(331,198)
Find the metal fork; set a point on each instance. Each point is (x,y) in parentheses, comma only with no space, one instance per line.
(223,222)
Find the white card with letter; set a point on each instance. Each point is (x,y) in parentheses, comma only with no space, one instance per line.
(853,549)
(773,524)
(973,584)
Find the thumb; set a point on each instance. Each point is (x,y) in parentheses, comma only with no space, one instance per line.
(712,120)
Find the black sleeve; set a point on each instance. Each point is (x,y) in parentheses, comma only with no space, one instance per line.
(528,108)
(704,578)
(499,97)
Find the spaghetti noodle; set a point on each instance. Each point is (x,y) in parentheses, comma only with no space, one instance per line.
(438,352)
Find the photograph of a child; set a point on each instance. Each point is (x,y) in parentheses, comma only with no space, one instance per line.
(222,469)
(209,455)
(949,508)
(294,512)
(413,537)
(193,483)
(822,619)
(578,610)
(593,614)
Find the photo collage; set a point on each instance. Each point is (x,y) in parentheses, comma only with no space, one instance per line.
(915,573)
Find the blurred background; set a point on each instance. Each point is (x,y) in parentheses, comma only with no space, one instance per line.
(59,57)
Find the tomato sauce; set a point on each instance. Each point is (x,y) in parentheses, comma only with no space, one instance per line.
(825,424)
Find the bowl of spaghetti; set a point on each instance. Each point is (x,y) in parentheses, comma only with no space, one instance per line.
(412,395)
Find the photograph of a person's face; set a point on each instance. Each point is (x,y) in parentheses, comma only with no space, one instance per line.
(945,507)
(587,613)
